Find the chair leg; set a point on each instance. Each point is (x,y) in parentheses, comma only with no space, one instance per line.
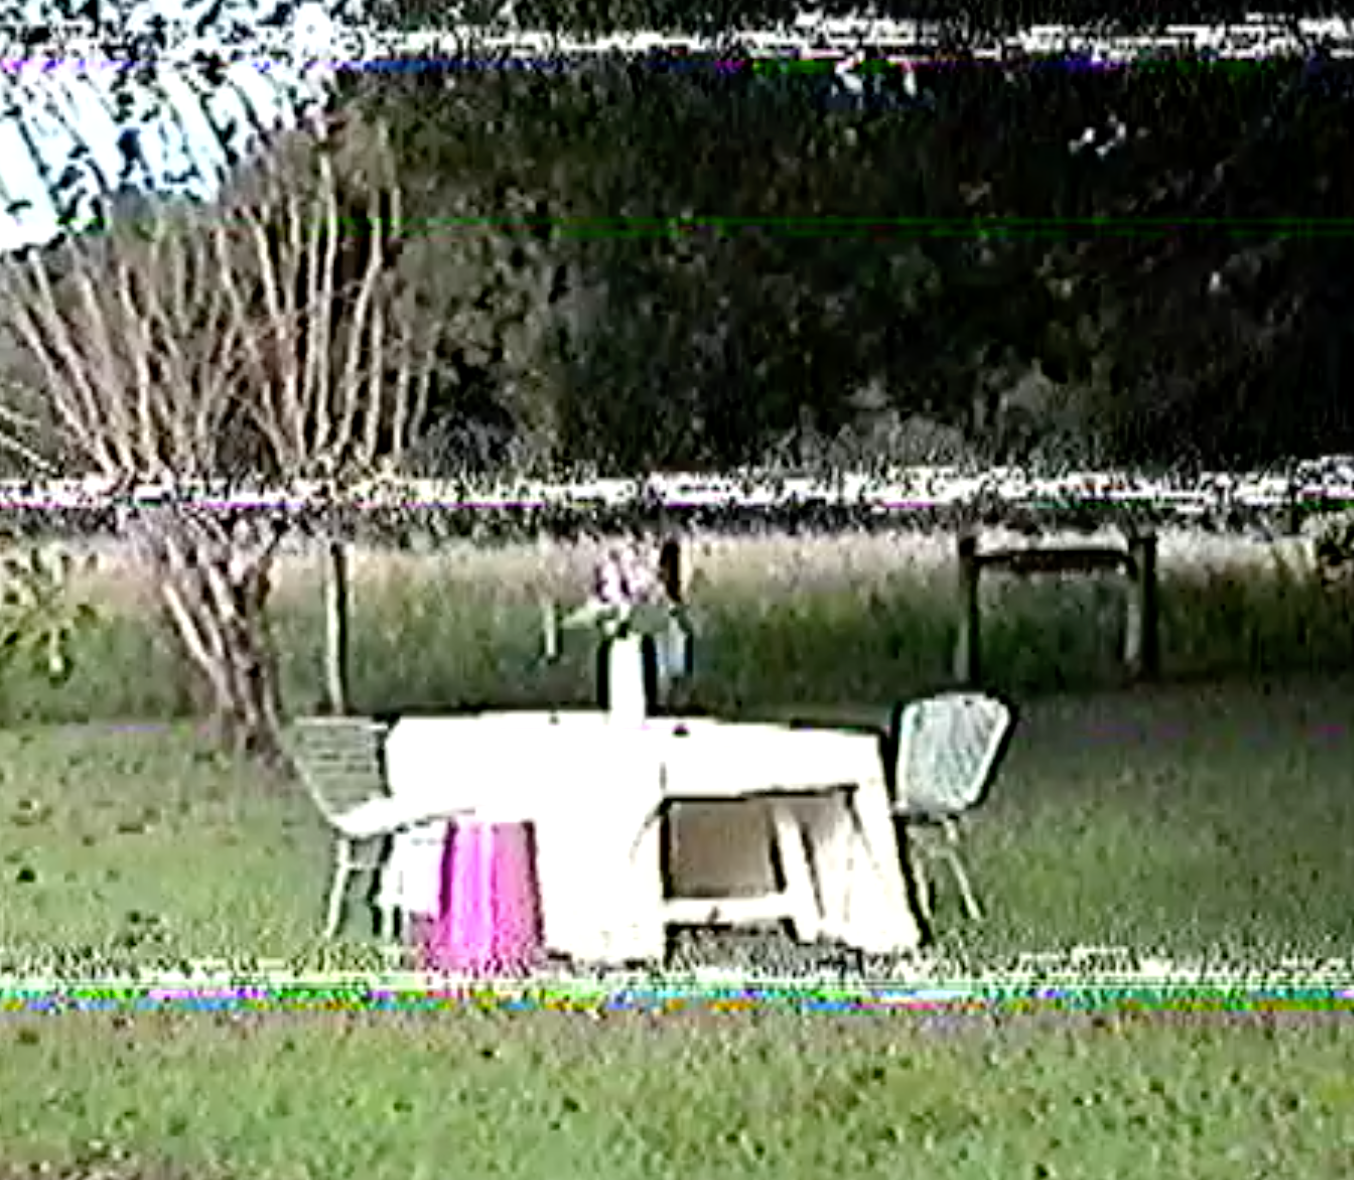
(971,906)
(342,871)
(923,888)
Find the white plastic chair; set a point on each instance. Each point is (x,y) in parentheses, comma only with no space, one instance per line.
(339,761)
(947,748)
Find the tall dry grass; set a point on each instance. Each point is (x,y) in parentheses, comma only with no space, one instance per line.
(863,618)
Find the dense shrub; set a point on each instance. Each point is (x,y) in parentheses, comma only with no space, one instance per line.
(1333,549)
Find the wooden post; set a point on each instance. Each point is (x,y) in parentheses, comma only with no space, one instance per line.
(1151,635)
(1133,609)
(966,647)
(336,626)
(1141,635)
(670,568)
(1292,511)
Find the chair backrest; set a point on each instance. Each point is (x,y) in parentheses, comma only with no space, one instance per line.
(340,760)
(947,747)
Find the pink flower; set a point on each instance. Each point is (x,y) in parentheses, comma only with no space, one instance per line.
(609,580)
(622,578)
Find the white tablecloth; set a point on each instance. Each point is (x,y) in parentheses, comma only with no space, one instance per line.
(593,787)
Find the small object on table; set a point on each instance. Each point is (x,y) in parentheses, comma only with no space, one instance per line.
(491,912)
(628,685)
(628,656)
(550,626)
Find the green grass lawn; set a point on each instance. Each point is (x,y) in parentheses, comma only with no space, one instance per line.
(697,1097)
(1186,819)
(1198,821)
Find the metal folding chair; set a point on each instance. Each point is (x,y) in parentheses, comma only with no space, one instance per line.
(947,749)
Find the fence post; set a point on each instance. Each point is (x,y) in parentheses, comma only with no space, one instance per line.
(967,641)
(1151,635)
(336,630)
(1292,512)
(1141,635)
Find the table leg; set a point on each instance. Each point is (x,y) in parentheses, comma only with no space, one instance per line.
(601,888)
(830,829)
(803,896)
(645,937)
(881,919)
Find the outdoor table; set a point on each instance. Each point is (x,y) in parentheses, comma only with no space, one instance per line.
(833,781)
(593,787)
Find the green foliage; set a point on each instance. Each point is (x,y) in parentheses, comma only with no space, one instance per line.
(1333,547)
(737,257)
(39,620)
(648,267)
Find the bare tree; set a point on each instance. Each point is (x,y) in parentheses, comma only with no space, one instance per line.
(274,330)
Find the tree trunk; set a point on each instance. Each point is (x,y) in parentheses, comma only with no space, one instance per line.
(214,587)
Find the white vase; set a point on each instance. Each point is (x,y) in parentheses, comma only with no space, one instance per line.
(625,679)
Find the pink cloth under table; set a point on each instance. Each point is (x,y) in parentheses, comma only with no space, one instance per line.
(490,920)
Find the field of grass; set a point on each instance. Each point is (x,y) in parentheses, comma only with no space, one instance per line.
(541,1095)
(860,620)
(1189,820)
(1208,817)
(1192,814)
